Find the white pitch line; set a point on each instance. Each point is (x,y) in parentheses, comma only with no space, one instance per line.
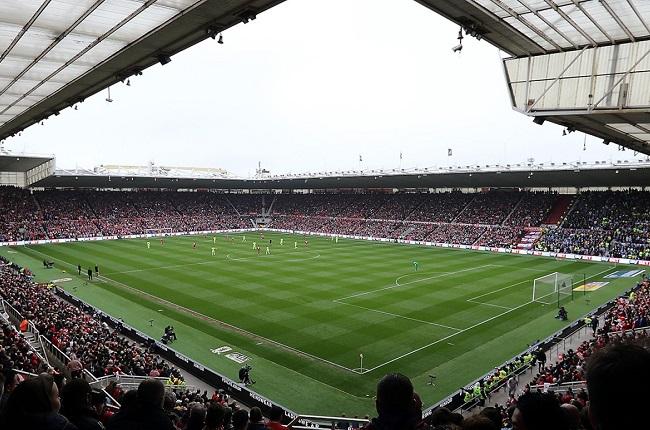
(398,316)
(518,268)
(409,283)
(500,289)
(488,304)
(174,266)
(193,312)
(466,329)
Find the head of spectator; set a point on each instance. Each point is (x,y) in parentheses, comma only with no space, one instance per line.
(196,419)
(34,404)
(538,411)
(215,416)
(493,415)
(256,420)
(479,422)
(275,418)
(618,378)
(151,394)
(397,407)
(240,419)
(77,404)
(572,415)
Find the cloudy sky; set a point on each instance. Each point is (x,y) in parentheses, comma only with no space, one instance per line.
(309,86)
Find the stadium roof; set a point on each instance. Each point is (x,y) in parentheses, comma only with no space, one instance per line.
(21,162)
(534,27)
(582,175)
(55,53)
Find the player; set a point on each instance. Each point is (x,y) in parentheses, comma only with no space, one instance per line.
(148,245)
(306,243)
(336,239)
(193,245)
(258,250)
(254,246)
(295,245)
(214,251)
(270,242)
(415,265)
(268,251)
(243,238)
(162,241)
(214,239)
(281,241)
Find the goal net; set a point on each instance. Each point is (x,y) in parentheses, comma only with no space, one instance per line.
(165,230)
(553,288)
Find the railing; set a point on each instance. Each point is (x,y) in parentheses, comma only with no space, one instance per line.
(132,381)
(314,422)
(560,388)
(37,336)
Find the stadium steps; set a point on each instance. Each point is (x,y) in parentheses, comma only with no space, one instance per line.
(528,240)
(453,221)
(513,210)
(562,206)
(231,205)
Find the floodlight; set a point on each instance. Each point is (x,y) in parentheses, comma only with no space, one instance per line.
(457,48)
(220,41)
(164,59)
(539,120)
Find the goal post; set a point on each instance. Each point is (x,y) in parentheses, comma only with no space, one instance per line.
(158,231)
(553,288)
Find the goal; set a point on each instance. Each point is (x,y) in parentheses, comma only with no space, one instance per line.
(553,288)
(158,231)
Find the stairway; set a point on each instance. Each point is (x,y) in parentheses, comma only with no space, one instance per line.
(531,235)
(34,343)
(560,208)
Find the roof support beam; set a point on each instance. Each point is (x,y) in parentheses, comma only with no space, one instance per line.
(568,19)
(51,46)
(558,78)
(618,20)
(116,27)
(593,21)
(26,27)
(525,22)
(547,22)
(618,82)
(638,15)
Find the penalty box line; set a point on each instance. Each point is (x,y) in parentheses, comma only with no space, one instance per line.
(203,316)
(466,329)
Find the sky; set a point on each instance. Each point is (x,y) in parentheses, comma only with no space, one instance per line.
(312,85)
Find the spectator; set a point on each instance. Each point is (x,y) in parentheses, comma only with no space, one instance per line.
(618,378)
(240,420)
(275,419)
(215,417)
(396,405)
(538,411)
(34,405)
(76,405)
(148,414)
(256,420)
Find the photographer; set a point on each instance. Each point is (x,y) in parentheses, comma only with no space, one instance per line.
(244,375)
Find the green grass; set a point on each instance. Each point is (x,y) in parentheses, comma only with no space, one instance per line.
(304,315)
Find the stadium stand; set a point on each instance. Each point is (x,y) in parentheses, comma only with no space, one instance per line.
(610,224)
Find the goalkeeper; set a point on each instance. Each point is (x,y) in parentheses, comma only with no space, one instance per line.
(415,265)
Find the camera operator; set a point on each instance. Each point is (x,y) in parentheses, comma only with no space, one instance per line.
(245,375)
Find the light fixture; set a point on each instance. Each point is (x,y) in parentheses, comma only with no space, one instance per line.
(109,99)
(164,59)
(128,82)
(220,41)
(459,47)
(76,107)
(539,120)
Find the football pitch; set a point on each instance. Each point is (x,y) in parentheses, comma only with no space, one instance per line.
(304,314)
